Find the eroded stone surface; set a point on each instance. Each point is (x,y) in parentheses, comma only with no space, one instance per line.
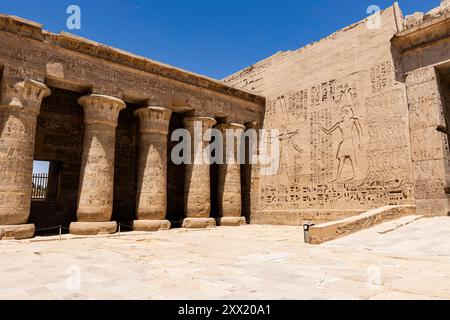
(17,232)
(198,178)
(341,228)
(229,176)
(362,117)
(360,126)
(19,108)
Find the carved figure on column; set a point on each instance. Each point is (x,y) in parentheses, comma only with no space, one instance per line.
(197,190)
(151,206)
(229,176)
(19,108)
(95,196)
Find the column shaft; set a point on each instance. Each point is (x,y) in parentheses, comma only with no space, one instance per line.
(151,204)
(19,109)
(198,181)
(229,176)
(96,189)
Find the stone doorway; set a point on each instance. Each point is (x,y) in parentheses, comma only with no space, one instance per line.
(59,141)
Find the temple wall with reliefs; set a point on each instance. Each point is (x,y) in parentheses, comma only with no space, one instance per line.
(341,110)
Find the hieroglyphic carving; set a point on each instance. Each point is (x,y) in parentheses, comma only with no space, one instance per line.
(381,76)
(429,147)
(321,146)
(229,175)
(97,166)
(297,105)
(197,175)
(152,174)
(358,150)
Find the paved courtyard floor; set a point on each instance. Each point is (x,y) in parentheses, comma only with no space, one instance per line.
(250,262)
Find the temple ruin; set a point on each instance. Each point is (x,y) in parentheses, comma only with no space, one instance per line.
(363,117)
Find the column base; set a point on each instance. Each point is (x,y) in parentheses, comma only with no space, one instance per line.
(231,221)
(17,232)
(151,225)
(199,223)
(93,228)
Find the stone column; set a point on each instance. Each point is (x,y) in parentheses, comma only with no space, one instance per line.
(229,176)
(197,191)
(19,108)
(95,195)
(429,146)
(151,206)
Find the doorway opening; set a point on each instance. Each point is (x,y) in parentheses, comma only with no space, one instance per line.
(56,171)
(45,182)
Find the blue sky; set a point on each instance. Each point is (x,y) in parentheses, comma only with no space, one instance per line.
(211,37)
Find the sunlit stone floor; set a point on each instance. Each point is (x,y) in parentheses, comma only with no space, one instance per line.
(250,262)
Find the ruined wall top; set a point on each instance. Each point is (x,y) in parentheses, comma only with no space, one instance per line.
(418,18)
(422,28)
(33,30)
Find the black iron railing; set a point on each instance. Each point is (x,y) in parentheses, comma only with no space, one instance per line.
(45,187)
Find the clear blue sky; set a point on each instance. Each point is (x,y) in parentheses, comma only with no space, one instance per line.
(210,37)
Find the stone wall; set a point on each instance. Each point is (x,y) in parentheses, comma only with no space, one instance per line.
(342,112)
(429,146)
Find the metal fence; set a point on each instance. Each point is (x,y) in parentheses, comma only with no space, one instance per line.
(45,187)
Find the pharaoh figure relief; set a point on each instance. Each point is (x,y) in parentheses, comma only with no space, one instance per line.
(335,140)
(350,144)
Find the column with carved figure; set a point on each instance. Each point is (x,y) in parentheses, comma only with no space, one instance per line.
(19,109)
(95,195)
(229,176)
(197,192)
(151,204)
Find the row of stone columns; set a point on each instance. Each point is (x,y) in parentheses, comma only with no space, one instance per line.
(20,106)
(96,186)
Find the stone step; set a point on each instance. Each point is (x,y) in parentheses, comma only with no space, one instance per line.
(341,228)
(396,224)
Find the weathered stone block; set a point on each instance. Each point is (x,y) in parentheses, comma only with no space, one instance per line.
(17,232)
(338,229)
(93,228)
(231,221)
(151,225)
(199,223)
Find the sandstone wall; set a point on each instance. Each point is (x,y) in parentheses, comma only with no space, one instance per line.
(342,113)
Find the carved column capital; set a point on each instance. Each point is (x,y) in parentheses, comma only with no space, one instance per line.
(101,109)
(206,122)
(230,126)
(154,120)
(24,94)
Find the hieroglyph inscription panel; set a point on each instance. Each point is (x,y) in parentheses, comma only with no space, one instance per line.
(344,144)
